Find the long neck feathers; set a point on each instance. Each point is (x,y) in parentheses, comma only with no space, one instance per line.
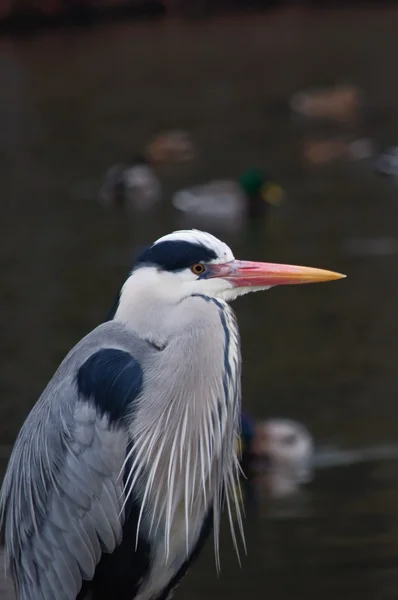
(184,456)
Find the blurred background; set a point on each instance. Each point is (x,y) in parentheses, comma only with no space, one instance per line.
(121,121)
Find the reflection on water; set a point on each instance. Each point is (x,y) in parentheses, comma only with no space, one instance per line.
(74,103)
(337,457)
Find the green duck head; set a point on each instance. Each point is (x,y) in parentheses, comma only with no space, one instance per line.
(256,183)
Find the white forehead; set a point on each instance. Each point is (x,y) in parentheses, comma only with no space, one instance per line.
(224,252)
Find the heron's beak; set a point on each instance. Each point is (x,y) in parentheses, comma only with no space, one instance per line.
(242,273)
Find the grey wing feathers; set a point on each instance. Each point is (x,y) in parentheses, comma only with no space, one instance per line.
(62,495)
(61,517)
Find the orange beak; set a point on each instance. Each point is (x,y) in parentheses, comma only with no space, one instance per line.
(243,273)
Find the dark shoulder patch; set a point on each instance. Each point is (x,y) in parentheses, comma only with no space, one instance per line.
(112,379)
(175,255)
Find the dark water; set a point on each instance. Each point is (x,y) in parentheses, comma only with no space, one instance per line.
(72,104)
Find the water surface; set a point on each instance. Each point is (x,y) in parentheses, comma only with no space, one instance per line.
(73,103)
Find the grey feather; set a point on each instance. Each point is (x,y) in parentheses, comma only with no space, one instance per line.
(104,529)
(64,507)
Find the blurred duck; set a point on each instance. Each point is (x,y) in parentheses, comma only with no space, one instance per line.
(323,151)
(171,147)
(387,163)
(250,197)
(277,454)
(134,185)
(340,102)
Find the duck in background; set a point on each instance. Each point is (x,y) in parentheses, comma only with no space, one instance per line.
(230,201)
(173,146)
(387,162)
(135,184)
(321,151)
(337,103)
(277,455)
(132,185)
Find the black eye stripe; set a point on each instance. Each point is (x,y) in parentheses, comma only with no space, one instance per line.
(175,255)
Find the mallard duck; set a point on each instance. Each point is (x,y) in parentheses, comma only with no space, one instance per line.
(278,453)
(134,184)
(230,200)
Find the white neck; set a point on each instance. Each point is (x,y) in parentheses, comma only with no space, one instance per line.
(185,427)
(144,306)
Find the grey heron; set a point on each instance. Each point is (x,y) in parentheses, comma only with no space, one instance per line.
(122,467)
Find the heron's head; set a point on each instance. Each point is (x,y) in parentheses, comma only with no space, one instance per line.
(189,262)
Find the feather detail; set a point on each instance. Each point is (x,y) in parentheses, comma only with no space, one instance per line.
(184,459)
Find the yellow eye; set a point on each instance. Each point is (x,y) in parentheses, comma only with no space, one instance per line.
(198,269)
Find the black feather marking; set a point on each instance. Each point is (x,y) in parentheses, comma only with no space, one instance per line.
(227,367)
(112,379)
(175,255)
